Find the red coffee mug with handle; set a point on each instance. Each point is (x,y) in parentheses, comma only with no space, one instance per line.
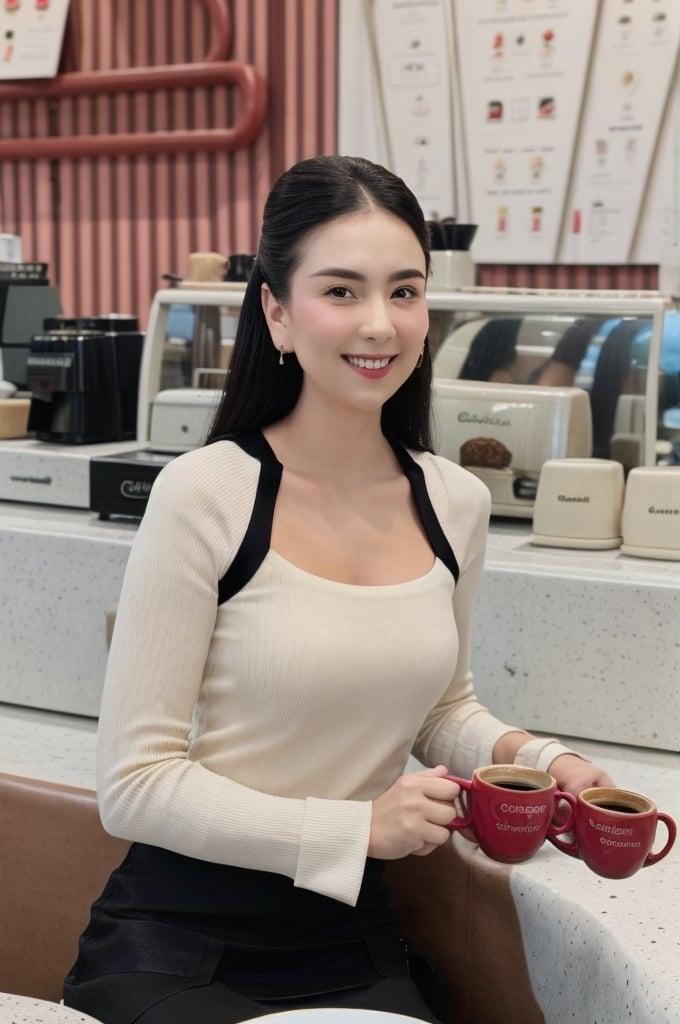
(615,830)
(512,810)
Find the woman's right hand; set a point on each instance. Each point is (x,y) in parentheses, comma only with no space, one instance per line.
(412,815)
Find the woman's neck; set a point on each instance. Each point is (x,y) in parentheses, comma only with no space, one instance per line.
(342,448)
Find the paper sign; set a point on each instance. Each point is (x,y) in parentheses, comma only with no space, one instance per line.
(659,222)
(414,47)
(632,70)
(31,37)
(522,72)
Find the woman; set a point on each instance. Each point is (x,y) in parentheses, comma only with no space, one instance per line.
(294,621)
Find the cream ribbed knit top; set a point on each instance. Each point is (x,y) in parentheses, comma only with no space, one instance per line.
(256,732)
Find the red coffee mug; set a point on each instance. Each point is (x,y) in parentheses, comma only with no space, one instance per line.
(511,810)
(614,832)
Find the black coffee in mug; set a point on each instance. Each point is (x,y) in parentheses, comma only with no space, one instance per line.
(515,785)
(619,808)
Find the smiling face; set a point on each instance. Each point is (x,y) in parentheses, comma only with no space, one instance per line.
(356,315)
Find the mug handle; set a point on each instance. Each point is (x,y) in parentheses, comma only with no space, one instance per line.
(466,821)
(556,828)
(652,858)
(569,846)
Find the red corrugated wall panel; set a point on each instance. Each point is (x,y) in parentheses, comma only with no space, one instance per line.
(110,227)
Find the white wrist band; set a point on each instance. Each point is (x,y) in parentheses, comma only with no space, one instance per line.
(541,752)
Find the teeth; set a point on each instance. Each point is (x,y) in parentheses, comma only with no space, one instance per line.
(369,364)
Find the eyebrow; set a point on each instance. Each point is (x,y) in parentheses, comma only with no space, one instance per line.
(353,275)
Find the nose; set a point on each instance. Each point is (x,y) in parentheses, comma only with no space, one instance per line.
(376,322)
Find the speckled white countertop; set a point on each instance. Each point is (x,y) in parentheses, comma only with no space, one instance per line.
(510,543)
(579,642)
(600,950)
(62,570)
(46,745)
(26,1010)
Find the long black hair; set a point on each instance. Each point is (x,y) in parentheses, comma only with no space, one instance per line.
(493,348)
(258,390)
(612,367)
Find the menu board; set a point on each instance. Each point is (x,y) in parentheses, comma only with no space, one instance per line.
(31,35)
(413,41)
(522,73)
(633,65)
(659,223)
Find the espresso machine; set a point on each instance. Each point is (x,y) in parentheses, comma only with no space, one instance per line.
(26,300)
(84,378)
(83,374)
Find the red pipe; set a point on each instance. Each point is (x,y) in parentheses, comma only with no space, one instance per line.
(117,80)
(214,70)
(220,18)
(170,76)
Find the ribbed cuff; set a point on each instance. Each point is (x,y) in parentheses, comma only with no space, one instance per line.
(333,847)
(541,752)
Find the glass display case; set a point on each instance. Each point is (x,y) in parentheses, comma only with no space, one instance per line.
(187,346)
(621,348)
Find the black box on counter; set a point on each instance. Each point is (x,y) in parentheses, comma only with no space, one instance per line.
(120,484)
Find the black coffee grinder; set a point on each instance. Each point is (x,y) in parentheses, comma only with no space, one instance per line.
(83,374)
(26,298)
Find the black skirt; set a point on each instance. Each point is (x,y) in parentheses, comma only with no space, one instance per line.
(166,923)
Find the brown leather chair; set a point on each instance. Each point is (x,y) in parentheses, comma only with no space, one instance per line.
(55,858)
(459,912)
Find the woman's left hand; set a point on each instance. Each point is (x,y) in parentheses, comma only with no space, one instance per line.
(574,774)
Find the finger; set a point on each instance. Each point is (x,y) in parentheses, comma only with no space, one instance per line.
(427,848)
(434,834)
(437,772)
(441,789)
(440,813)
